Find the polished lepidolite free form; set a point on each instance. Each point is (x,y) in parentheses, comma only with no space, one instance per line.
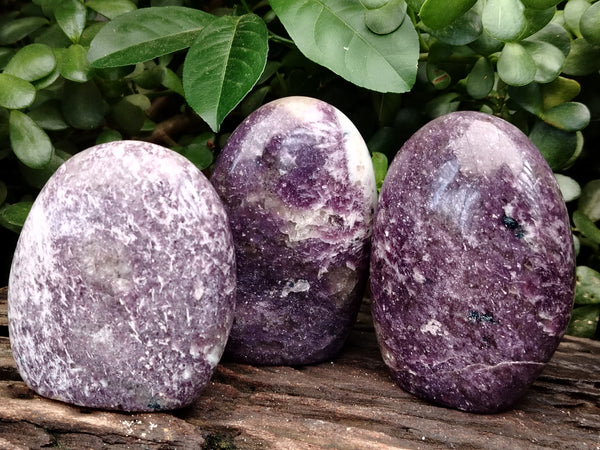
(121,292)
(298,183)
(472,266)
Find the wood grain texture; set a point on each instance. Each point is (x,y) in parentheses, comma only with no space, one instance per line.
(348,403)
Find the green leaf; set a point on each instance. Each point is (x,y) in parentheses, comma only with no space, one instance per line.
(108,136)
(536,20)
(199,150)
(437,14)
(71,16)
(569,188)
(439,78)
(32,62)
(570,116)
(374,4)
(528,97)
(504,19)
(48,116)
(73,64)
(38,177)
(586,227)
(223,65)
(334,35)
(18,29)
(573,12)
(145,34)
(386,19)
(129,112)
(587,286)
(13,216)
(589,202)
(516,67)
(556,145)
(540,4)
(553,34)
(464,30)
(442,104)
(172,81)
(15,93)
(583,58)
(559,91)
(29,142)
(584,321)
(480,80)
(380,166)
(84,107)
(548,59)
(589,25)
(111,8)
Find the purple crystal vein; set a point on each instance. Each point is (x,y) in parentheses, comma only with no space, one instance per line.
(472,265)
(122,288)
(298,184)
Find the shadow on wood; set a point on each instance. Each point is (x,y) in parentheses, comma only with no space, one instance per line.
(348,403)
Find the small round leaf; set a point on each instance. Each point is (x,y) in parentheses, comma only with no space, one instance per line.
(540,4)
(549,60)
(84,107)
(569,188)
(29,142)
(465,29)
(570,116)
(516,67)
(374,4)
(559,91)
(480,80)
(583,59)
(557,146)
(71,17)
(13,216)
(553,34)
(111,8)
(32,62)
(528,97)
(504,19)
(584,321)
(587,286)
(589,202)
(73,64)
(573,12)
(17,29)
(15,93)
(380,166)
(589,24)
(586,227)
(386,19)
(48,116)
(437,14)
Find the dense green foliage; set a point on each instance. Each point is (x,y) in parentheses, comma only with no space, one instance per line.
(184,73)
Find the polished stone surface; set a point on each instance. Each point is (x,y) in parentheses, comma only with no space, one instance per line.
(122,288)
(472,266)
(298,183)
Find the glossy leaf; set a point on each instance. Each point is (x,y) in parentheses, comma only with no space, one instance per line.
(32,62)
(573,12)
(334,35)
(386,19)
(129,112)
(528,97)
(223,65)
(71,16)
(15,93)
(569,188)
(504,19)
(553,34)
(515,66)
(145,34)
(73,64)
(548,59)
(374,4)
(556,145)
(172,81)
(437,14)
(18,29)
(111,8)
(486,44)
(439,78)
(559,91)
(199,150)
(464,30)
(587,286)
(13,216)
(480,80)
(108,136)
(29,142)
(583,59)
(380,166)
(84,107)
(584,321)
(442,104)
(535,20)
(48,80)
(589,201)
(48,116)
(570,116)
(540,4)
(589,24)
(38,177)
(586,227)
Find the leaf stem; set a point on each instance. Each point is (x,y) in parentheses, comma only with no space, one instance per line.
(280,39)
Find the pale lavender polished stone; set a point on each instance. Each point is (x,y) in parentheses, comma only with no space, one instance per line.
(122,289)
(472,266)
(298,183)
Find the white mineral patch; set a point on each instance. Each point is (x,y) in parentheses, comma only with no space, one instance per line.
(432,327)
(295,286)
(483,149)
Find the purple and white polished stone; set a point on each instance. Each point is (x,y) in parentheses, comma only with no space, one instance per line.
(122,289)
(298,183)
(472,265)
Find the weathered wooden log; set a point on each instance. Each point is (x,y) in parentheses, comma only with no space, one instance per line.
(349,402)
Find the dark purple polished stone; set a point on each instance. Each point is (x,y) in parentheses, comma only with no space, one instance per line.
(472,266)
(122,288)
(298,183)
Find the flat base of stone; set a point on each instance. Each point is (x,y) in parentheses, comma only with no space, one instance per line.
(350,402)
